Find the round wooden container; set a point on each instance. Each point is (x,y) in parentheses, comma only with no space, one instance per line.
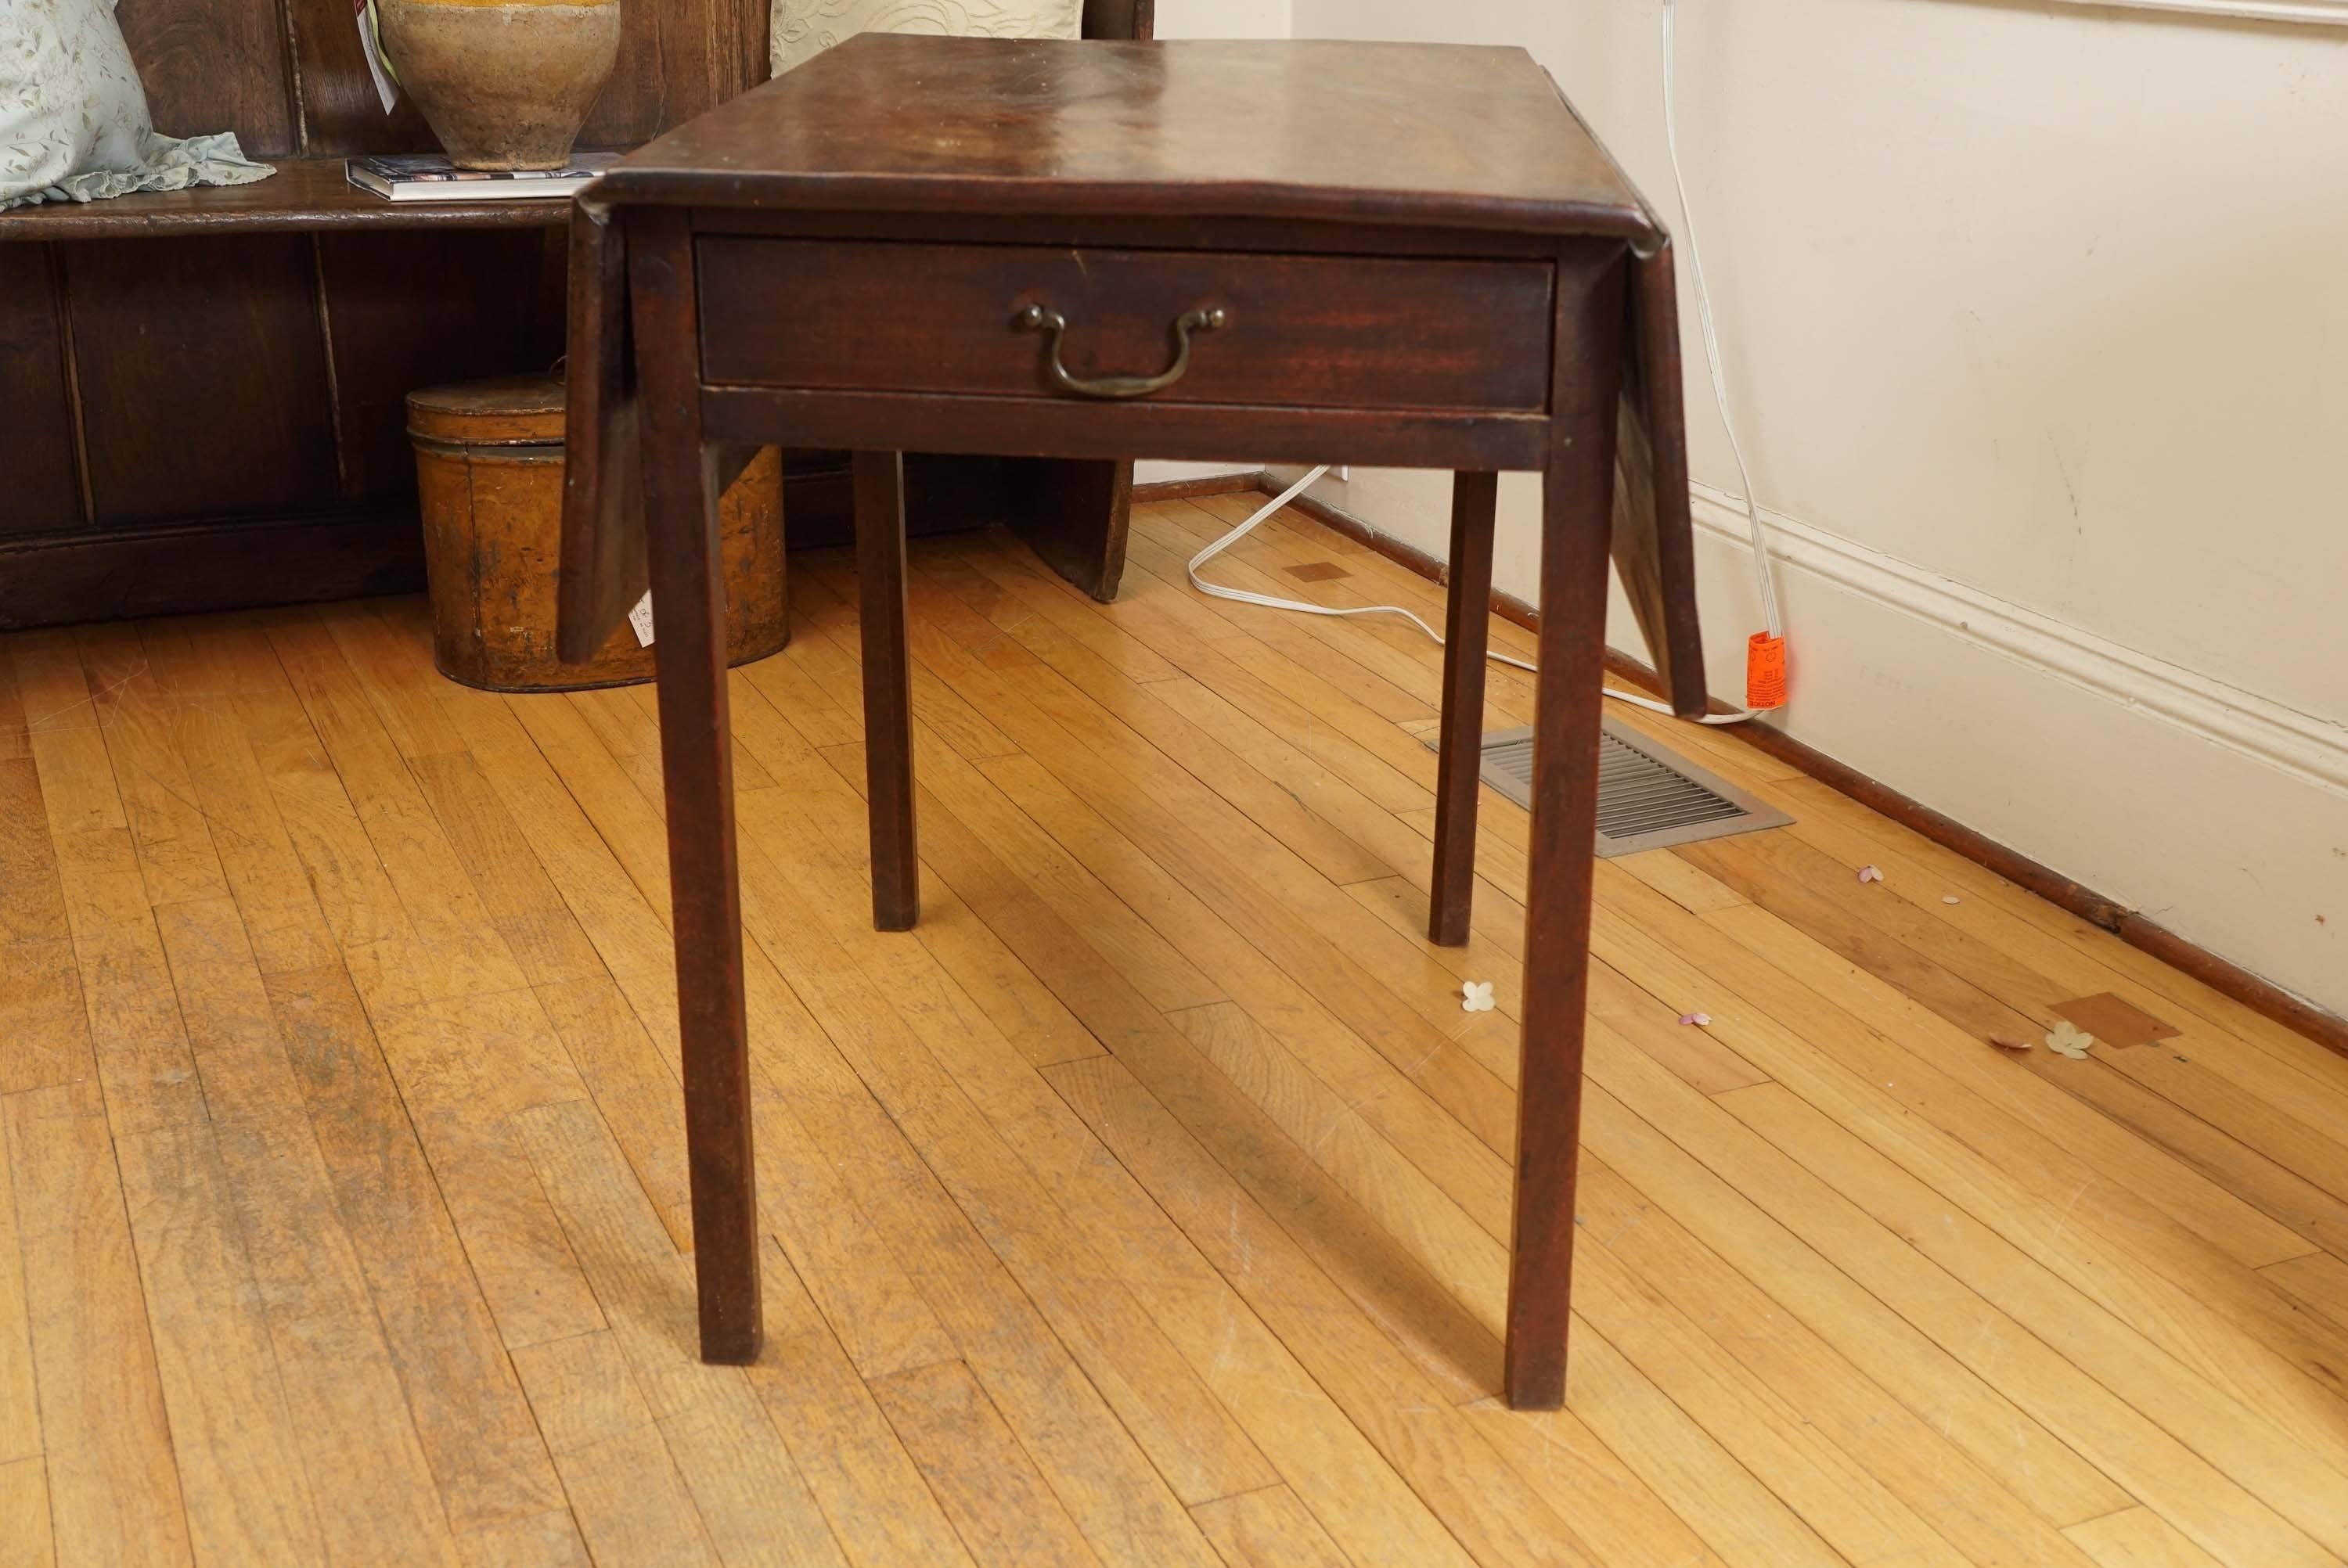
(489,465)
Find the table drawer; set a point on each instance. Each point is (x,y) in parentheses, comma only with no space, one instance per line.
(1319,331)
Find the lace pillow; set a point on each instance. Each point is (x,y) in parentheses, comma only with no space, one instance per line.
(805,28)
(73,116)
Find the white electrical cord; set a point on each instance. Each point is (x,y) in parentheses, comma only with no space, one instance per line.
(1763,575)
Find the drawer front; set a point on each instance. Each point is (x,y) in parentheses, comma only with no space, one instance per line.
(1312,332)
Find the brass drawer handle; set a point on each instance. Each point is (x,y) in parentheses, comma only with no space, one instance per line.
(1039,319)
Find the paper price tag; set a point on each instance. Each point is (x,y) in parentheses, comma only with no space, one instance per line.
(641,618)
(386,80)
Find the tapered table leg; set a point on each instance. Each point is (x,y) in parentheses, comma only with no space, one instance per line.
(689,584)
(1577,517)
(1475,499)
(888,690)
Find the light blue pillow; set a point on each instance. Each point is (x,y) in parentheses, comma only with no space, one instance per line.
(74,124)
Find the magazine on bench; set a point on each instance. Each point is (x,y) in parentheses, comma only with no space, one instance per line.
(428,177)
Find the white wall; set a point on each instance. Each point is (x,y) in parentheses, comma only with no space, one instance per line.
(1225,18)
(2037,340)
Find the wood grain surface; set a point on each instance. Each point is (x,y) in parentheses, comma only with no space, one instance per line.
(1147,1202)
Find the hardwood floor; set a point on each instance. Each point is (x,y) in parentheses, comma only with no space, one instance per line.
(1146,1206)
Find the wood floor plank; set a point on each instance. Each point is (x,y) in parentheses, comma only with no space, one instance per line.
(1137,792)
(369,1479)
(522,902)
(1150,1195)
(1622,1517)
(1267,1529)
(2259,1518)
(25,1539)
(1911,1454)
(1343,645)
(625,1493)
(43,1037)
(2317,1282)
(1407,1107)
(1442,1337)
(467,1069)
(1277,547)
(281,911)
(945,609)
(2138,1538)
(1493,1512)
(1243,714)
(1470,1262)
(881,1319)
(1719,1499)
(368,926)
(1889,1111)
(635,1087)
(834,659)
(2180,1289)
(32,901)
(1002,1508)
(2293,1169)
(1293,1422)
(462,953)
(1971,1408)
(2094,942)
(750,1496)
(626,927)
(63,732)
(866,1484)
(1852,1509)
(550,1540)
(401,690)
(144,1060)
(1887,970)
(20,1409)
(1995,912)
(113,1485)
(474,1424)
(1071,735)
(140,722)
(233,1436)
(1149,555)
(2180,1272)
(837,962)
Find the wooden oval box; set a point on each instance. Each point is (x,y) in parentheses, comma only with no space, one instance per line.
(488,467)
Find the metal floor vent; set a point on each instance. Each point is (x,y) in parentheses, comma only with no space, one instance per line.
(1649,796)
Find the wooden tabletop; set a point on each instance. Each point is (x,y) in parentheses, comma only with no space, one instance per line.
(1432,135)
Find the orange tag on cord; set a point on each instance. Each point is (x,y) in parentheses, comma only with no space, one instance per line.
(1765,672)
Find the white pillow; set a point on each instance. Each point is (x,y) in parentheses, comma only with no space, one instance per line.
(73,116)
(803,29)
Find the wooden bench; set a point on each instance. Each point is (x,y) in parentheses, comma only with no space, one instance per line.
(213,416)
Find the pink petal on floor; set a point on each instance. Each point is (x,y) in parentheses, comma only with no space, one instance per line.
(1870,873)
(1701,1020)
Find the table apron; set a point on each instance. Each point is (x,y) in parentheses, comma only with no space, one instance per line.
(1049,427)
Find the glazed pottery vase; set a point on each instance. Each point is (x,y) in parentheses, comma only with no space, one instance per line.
(504,84)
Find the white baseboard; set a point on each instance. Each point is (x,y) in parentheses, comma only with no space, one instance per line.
(2215,811)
